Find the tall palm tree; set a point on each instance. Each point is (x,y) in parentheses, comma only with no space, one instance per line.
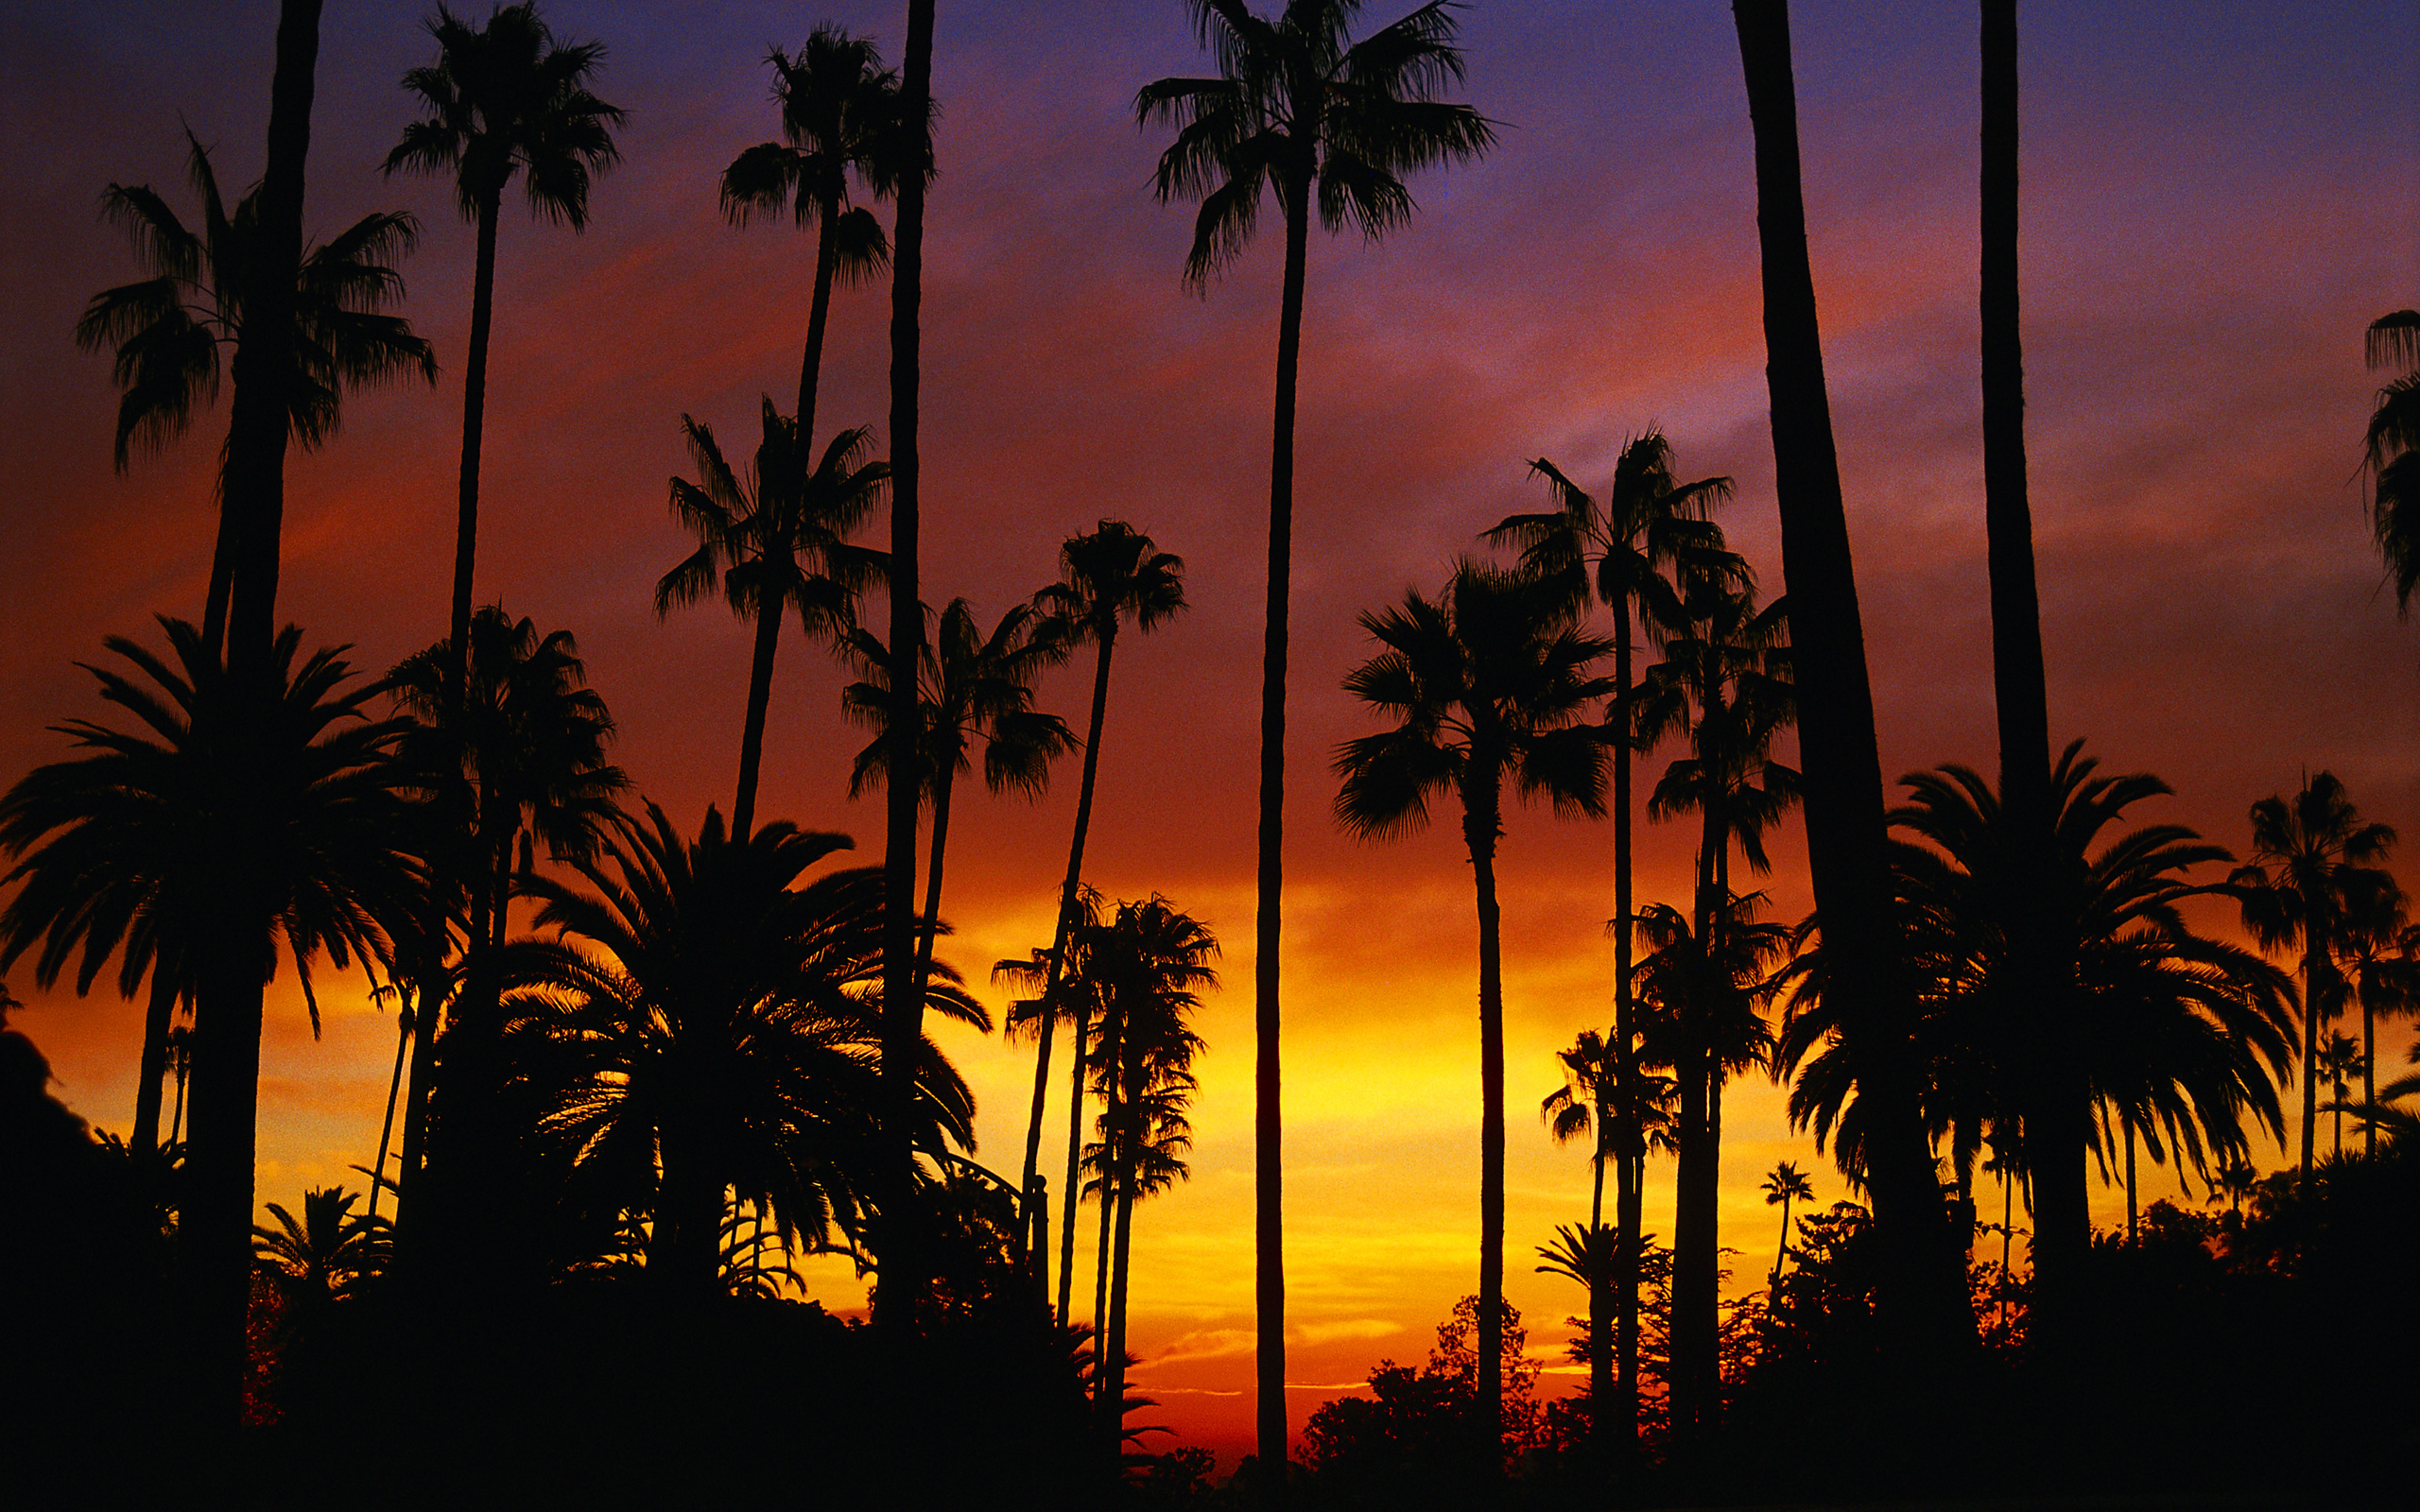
(501,99)
(167,329)
(525,740)
(1149,963)
(840,112)
(702,1025)
(2339,1059)
(1490,681)
(1066,988)
(903,1010)
(127,851)
(1925,1296)
(977,688)
(2310,868)
(1621,548)
(775,540)
(1784,1185)
(1724,685)
(1297,108)
(1583,1107)
(1110,577)
(2379,957)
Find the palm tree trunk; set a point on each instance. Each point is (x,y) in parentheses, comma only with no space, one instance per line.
(1600,1261)
(1696,1260)
(810,367)
(2313,951)
(1070,1201)
(1781,1250)
(1100,1294)
(932,919)
(751,730)
(155,1056)
(2133,1212)
(903,1014)
(260,415)
(1063,931)
(1923,1297)
(394,1087)
(1481,826)
(177,1120)
(466,487)
(2369,1077)
(1269,1178)
(1630,1138)
(217,1229)
(1113,1401)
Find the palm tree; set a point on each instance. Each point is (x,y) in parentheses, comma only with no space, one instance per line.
(1148,964)
(1847,843)
(1108,577)
(2309,869)
(774,540)
(1723,683)
(501,99)
(328,1255)
(1063,989)
(902,1009)
(976,687)
(2339,1059)
(701,1025)
(1297,108)
(840,120)
(1785,1184)
(1490,681)
(127,851)
(528,738)
(2393,454)
(166,330)
(2380,960)
(1647,524)
(2188,1033)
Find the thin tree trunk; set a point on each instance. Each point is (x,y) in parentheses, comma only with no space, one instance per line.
(1781,1250)
(1694,1328)
(1114,1396)
(394,1087)
(1481,826)
(466,487)
(1630,1137)
(2133,1212)
(1269,1178)
(903,1014)
(216,1232)
(810,367)
(2369,1078)
(1075,1158)
(2313,951)
(1062,933)
(1100,1296)
(177,1120)
(1923,1295)
(1600,1262)
(943,782)
(154,1068)
(752,732)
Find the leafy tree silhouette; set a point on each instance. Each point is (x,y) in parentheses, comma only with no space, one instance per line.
(1490,681)
(1297,108)
(166,330)
(1785,1184)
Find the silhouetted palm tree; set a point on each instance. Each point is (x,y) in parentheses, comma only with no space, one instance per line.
(774,540)
(529,744)
(1490,681)
(1785,1184)
(976,687)
(127,851)
(2187,1033)
(1108,577)
(840,119)
(501,99)
(1648,522)
(704,1026)
(2309,870)
(2394,450)
(165,332)
(1297,108)
(1923,1298)
(1148,963)
(2379,957)
(327,1255)
(903,1008)
(1723,684)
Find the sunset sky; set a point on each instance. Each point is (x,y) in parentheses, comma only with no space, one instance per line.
(2217,199)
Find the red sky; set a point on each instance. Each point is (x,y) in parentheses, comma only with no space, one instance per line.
(2217,199)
